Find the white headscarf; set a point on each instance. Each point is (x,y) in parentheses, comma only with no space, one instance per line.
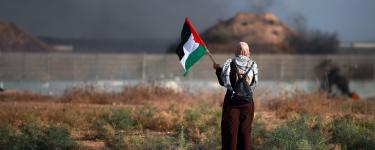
(243,63)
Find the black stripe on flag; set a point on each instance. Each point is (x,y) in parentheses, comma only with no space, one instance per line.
(185,34)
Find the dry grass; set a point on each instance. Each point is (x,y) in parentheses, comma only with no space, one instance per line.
(298,101)
(139,94)
(315,103)
(24,96)
(90,114)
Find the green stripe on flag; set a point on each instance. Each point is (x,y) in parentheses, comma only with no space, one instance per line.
(194,57)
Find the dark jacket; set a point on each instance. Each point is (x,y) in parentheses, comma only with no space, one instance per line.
(233,78)
(236,119)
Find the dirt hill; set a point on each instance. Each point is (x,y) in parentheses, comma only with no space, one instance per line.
(263,31)
(14,39)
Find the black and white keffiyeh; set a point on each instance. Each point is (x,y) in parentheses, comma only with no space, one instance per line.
(243,63)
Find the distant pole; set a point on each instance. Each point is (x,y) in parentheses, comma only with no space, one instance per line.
(144,67)
(48,72)
(1,81)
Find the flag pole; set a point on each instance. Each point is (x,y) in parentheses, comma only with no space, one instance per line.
(211,57)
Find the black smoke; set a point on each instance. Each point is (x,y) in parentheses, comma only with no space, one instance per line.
(120,18)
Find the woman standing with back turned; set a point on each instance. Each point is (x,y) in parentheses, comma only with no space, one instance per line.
(239,75)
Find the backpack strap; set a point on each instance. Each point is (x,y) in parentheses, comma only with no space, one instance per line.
(236,69)
(247,72)
(237,72)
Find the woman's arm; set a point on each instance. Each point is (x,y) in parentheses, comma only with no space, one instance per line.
(218,73)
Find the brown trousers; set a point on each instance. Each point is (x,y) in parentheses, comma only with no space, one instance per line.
(236,120)
(236,126)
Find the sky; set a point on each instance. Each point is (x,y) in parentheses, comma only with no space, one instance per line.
(352,20)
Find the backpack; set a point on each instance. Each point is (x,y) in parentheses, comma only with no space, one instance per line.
(242,92)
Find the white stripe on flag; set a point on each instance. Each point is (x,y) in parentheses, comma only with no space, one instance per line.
(188,47)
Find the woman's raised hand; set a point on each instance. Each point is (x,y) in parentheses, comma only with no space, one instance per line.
(216,66)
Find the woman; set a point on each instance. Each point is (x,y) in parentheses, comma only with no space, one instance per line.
(237,117)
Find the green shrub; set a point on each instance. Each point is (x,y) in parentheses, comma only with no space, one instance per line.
(111,123)
(100,131)
(163,142)
(215,117)
(303,133)
(259,135)
(34,136)
(151,142)
(7,137)
(203,127)
(114,139)
(145,114)
(116,142)
(181,140)
(200,117)
(59,138)
(31,137)
(213,140)
(120,118)
(353,135)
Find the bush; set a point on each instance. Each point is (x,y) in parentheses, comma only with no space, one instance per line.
(303,133)
(34,136)
(144,116)
(148,141)
(259,135)
(59,138)
(202,117)
(7,137)
(120,118)
(116,142)
(212,141)
(109,127)
(353,135)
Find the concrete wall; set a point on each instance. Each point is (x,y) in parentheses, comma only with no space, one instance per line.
(151,67)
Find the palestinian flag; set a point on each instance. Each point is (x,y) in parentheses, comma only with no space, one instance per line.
(191,48)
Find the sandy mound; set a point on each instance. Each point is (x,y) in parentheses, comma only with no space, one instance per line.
(14,39)
(262,30)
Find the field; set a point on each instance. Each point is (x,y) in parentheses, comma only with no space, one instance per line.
(151,117)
